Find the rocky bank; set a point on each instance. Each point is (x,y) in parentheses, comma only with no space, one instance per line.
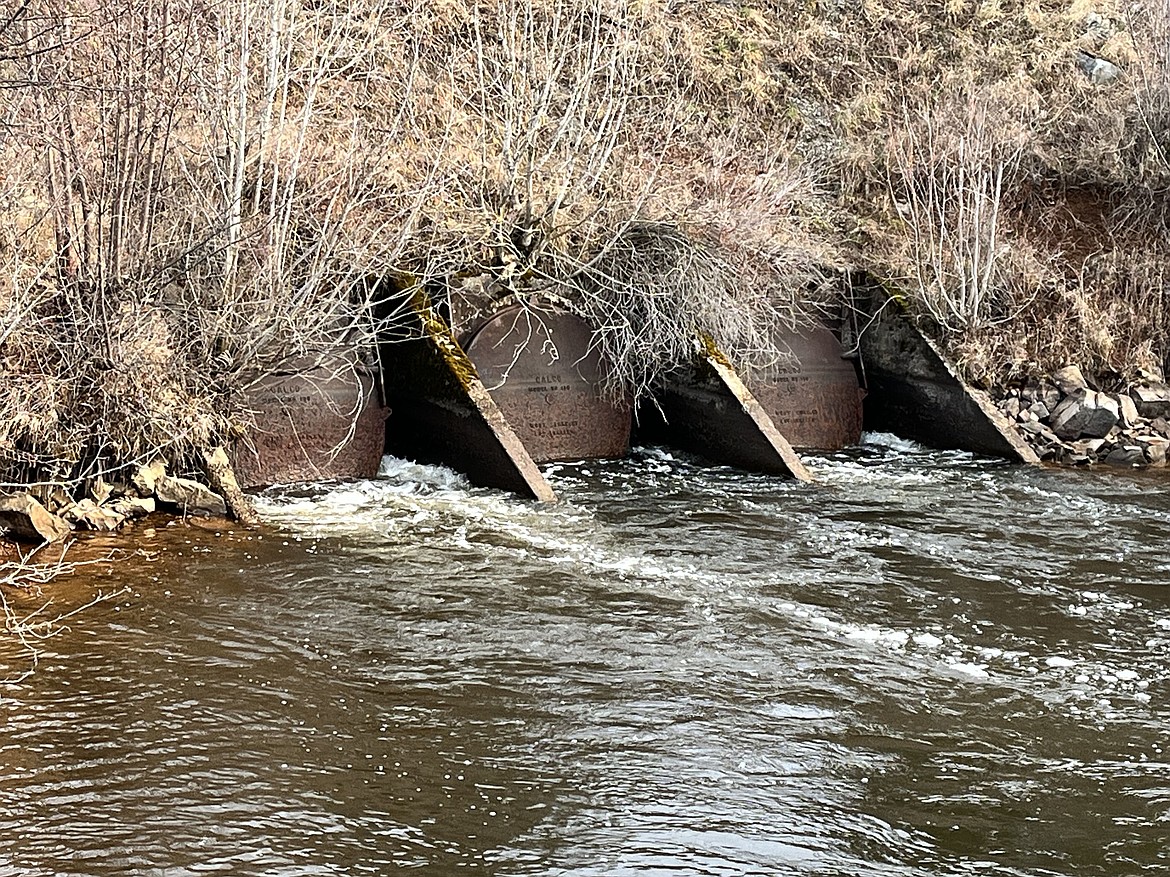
(1069,421)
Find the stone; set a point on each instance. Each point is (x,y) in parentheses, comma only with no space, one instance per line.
(1085,413)
(1032,427)
(1039,410)
(218,469)
(26,519)
(1069,379)
(1155,452)
(1050,395)
(1088,446)
(1010,407)
(1127,455)
(1152,401)
(190,497)
(100,490)
(1161,426)
(1152,373)
(53,497)
(146,477)
(88,514)
(1039,434)
(1129,412)
(133,507)
(1099,71)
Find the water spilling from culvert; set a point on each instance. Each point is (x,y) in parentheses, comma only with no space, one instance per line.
(930,664)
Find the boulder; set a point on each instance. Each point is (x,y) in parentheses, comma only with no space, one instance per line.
(1092,447)
(100,490)
(1039,410)
(1038,433)
(1085,413)
(53,497)
(146,477)
(1155,450)
(1129,412)
(1152,401)
(190,497)
(26,519)
(88,514)
(1050,395)
(1127,455)
(1099,71)
(1069,379)
(133,507)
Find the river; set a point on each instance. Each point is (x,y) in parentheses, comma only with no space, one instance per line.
(926,664)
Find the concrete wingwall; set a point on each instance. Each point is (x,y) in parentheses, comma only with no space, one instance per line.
(914,391)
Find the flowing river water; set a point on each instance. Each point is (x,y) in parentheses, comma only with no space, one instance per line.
(928,664)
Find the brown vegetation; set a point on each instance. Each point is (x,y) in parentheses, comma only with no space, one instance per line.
(195,194)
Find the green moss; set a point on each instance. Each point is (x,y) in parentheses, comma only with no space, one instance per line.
(710,350)
(436,329)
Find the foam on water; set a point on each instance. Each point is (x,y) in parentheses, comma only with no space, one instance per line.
(409,503)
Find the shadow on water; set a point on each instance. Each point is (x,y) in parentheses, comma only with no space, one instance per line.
(928,664)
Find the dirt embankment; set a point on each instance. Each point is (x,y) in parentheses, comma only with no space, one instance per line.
(196,197)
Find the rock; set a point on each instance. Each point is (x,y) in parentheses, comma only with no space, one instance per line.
(88,514)
(1152,401)
(1039,434)
(1069,379)
(133,507)
(191,497)
(1161,426)
(146,477)
(1156,452)
(1039,410)
(222,477)
(1048,452)
(1152,373)
(26,519)
(1085,413)
(1050,395)
(1010,407)
(1088,446)
(1129,412)
(1099,71)
(100,490)
(1127,455)
(53,497)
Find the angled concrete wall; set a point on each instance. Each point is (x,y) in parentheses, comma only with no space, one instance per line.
(913,391)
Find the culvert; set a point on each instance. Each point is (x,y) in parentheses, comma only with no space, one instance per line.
(547,377)
(493,385)
(316,423)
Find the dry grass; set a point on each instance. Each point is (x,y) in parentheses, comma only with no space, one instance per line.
(194,195)
(655,290)
(1021,207)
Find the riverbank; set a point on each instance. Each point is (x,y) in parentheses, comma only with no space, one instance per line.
(711,169)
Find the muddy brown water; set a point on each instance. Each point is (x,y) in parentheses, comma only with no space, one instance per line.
(930,664)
